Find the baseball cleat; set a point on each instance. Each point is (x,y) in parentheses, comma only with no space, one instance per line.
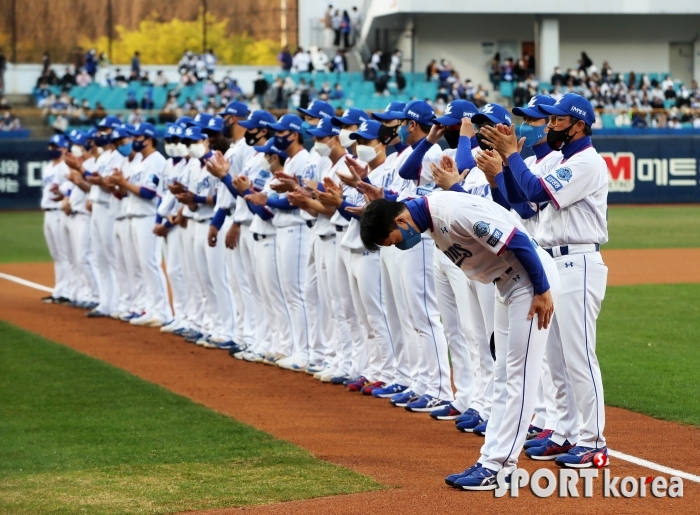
(369,388)
(126,316)
(252,357)
(193,337)
(315,368)
(96,314)
(388,391)
(467,415)
(340,379)
(448,412)
(425,404)
(450,480)
(548,450)
(225,345)
(237,349)
(48,300)
(584,457)
(480,479)
(62,300)
(146,320)
(533,432)
(480,430)
(358,384)
(272,359)
(468,425)
(537,441)
(400,400)
(170,327)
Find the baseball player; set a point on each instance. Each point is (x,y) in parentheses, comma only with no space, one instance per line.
(571,229)
(489,244)
(349,122)
(101,223)
(53,174)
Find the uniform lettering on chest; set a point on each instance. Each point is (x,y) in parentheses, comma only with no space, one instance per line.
(457,254)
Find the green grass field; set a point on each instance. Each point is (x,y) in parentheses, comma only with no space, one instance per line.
(80,436)
(22,235)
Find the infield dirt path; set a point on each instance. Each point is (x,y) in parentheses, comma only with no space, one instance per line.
(409,452)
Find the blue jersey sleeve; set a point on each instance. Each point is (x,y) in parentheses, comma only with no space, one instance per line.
(411,167)
(525,252)
(529,184)
(464,158)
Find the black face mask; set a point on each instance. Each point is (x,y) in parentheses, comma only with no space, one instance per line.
(482,144)
(386,134)
(452,138)
(251,138)
(557,139)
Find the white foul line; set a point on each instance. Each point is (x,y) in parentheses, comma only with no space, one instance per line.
(24,282)
(615,454)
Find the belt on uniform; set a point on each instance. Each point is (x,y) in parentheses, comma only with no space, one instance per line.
(203,221)
(326,237)
(339,228)
(310,223)
(503,275)
(260,237)
(51,209)
(577,248)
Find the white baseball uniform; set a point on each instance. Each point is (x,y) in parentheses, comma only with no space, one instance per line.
(54,175)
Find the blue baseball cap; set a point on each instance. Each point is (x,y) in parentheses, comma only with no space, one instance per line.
(289,122)
(318,109)
(419,111)
(78,137)
(258,120)
(455,111)
(367,130)
(109,122)
(59,140)
(170,131)
(144,129)
(178,131)
(351,116)
(215,124)
(392,112)
(531,110)
(91,133)
(185,121)
(235,108)
(202,119)
(572,105)
(193,133)
(270,148)
(325,128)
(123,131)
(494,113)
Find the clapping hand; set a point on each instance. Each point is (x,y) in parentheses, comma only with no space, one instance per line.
(217,165)
(447,175)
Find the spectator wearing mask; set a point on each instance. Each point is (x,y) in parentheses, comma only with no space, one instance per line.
(356,24)
(260,89)
(337,22)
(83,79)
(346,29)
(91,63)
(68,79)
(340,64)
(395,65)
(136,65)
(301,62)
(285,59)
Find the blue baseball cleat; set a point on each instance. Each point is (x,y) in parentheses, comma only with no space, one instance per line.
(388,391)
(548,450)
(400,400)
(467,415)
(584,457)
(479,480)
(448,412)
(480,430)
(426,403)
(340,379)
(537,441)
(533,432)
(450,480)
(468,425)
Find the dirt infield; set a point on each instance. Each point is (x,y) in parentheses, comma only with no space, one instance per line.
(407,451)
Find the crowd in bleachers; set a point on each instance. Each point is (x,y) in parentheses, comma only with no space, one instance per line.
(8,121)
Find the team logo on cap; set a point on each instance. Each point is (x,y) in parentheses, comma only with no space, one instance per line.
(487,109)
(578,110)
(212,122)
(346,113)
(363,128)
(532,102)
(482,229)
(564,174)
(189,131)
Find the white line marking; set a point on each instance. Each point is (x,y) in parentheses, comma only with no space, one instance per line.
(24,282)
(653,466)
(615,454)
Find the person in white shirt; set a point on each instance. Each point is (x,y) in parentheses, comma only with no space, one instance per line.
(52,176)
(489,244)
(301,61)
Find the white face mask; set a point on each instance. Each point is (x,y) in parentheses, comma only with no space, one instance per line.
(197,150)
(322,148)
(181,150)
(265,165)
(366,153)
(100,150)
(344,138)
(170,149)
(77,151)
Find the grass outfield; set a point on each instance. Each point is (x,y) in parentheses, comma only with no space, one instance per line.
(648,350)
(80,436)
(22,234)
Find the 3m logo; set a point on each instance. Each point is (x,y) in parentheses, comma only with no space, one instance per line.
(621,169)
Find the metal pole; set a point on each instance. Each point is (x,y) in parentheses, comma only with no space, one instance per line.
(204,26)
(109,29)
(14,31)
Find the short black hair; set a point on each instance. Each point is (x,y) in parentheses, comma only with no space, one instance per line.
(588,130)
(377,222)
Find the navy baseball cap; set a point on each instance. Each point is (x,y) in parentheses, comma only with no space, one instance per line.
(215,123)
(258,120)
(185,121)
(123,131)
(202,119)
(392,112)
(351,116)
(494,113)
(109,122)
(572,105)
(235,108)
(368,130)
(419,111)
(289,122)
(455,111)
(194,133)
(59,140)
(325,128)
(318,109)
(270,148)
(531,110)
(144,129)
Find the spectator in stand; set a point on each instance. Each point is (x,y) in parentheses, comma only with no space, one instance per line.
(480,97)
(669,92)
(170,110)
(45,62)
(145,80)
(395,64)
(209,89)
(337,23)
(120,79)
(103,61)
(557,77)
(442,95)
(210,61)
(160,80)
(278,96)
(135,117)
(301,62)
(319,59)
(584,63)
(131,102)
(495,71)
(3,69)
(520,95)
(91,63)
(285,59)
(374,65)
(346,29)
(147,100)
(340,63)
(98,113)
(9,122)
(639,120)
(83,79)
(136,66)
(68,79)
(337,93)
(380,84)
(431,71)
(327,22)
(356,24)
(507,70)
(260,89)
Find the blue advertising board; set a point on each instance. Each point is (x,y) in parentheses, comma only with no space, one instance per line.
(642,169)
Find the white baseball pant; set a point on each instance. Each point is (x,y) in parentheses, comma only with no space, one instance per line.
(129,273)
(583,279)
(79,230)
(314,308)
(173,252)
(196,316)
(350,353)
(71,271)
(451,291)
(102,242)
(240,287)
(340,328)
(432,367)
(246,246)
(520,348)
